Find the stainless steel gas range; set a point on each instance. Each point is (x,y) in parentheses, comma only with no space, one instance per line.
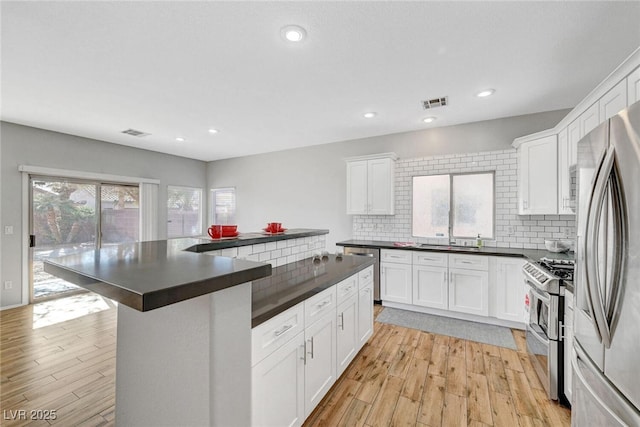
(546,281)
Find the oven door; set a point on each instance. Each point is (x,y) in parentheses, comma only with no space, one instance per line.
(542,338)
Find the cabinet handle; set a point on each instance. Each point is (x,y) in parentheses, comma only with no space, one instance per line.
(467,262)
(304,352)
(451,277)
(284,329)
(322,304)
(311,352)
(342,321)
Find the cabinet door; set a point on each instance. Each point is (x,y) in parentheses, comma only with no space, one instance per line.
(365,314)
(574,136)
(381,181)
(395,282)
(357,187)
(320,366)
(469,291)
(614,101)
(510,289)
(564,175)
(589,120)
(568,345)
(277,386)
(347,334)
(539,176)
(430,287)
(633,87)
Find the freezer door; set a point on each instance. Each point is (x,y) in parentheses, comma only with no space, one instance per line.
(621,359)
(595,401)
(591,153)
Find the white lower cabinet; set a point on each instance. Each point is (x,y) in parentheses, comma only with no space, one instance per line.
(365,313)
(395,276)
(468,291)
(510,290)
(292,371)
(277,392)
(347,333)
(395,282)
(568,345)
(320,360)
(430,287)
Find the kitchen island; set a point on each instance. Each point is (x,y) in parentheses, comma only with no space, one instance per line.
(184,325)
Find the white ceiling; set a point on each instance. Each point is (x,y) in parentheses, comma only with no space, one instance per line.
(178,68)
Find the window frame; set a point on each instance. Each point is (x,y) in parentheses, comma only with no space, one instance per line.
(451,205)
(212,204)
(200,210)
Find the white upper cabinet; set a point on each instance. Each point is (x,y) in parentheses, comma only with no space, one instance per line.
(614,101)
(633,87)
(538,176)
(566,203)
(589,120)
(370,185)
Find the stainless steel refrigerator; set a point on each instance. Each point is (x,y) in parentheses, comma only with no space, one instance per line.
(606,360)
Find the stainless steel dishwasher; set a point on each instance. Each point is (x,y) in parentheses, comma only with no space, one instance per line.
(375,253)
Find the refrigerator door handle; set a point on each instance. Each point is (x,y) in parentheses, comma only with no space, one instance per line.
(596,206)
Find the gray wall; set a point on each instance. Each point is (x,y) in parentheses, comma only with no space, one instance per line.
(306,187)
(22,145)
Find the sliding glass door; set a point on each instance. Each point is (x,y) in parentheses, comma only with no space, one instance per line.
(68,216)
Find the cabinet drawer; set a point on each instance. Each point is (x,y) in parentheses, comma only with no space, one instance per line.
(365,277)
(470,262)
(400,257)
(275,332)
(346,288)
(434,259)
(319,305)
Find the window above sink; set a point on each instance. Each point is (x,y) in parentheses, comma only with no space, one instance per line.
(454,206)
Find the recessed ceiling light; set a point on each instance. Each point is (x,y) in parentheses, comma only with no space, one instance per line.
(180,139)
(212,131)
(293,33)
(485,93)
(428,119)
(370,114)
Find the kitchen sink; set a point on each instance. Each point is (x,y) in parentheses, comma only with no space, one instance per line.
(450,247)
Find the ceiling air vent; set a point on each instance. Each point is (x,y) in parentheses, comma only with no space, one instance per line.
(134,132)
(435,103)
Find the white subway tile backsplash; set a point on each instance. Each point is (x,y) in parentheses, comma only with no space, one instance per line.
(512,230)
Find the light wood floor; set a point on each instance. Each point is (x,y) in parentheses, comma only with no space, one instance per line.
(401,377)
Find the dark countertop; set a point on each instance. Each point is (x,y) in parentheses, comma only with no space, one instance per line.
(149,275)
(205,244)
(532,254)
(293,283)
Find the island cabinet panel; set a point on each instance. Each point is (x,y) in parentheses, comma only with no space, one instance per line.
(273,333)
(320,360)
(319,305)
(365,313)
(346,333)
(278,386)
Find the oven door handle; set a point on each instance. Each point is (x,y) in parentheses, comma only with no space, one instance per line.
(535,291)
